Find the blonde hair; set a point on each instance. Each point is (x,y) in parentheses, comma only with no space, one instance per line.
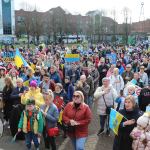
(81,94)
(132,100)
(131,87)
(116,70)
(19,80)
(49,93)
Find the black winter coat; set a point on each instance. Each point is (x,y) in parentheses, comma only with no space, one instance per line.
(15,95)
(123,141)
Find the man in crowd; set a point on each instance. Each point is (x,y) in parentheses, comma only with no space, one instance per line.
(83,87)
(102,69)
(127,74)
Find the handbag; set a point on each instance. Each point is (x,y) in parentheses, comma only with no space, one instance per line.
(53,131)
(108,108)
(68,128)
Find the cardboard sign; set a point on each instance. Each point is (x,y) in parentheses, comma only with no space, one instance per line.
(8,56)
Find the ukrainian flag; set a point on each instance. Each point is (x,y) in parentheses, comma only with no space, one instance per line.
(60,117)
(72,58)
(115,120)
(19,60)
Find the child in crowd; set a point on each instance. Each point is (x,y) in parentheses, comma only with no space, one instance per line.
(120,101)
(31,123)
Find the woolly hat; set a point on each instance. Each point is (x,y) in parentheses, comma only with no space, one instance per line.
(30,102)
(143,121)
(33,83)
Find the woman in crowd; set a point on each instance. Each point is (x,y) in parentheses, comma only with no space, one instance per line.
(77,116)
(110,71)
(8,88)
(43,72)
(105,95)
(34,93)
(50,113)
(117,81)
(60,97)
(123,141)
(2,78)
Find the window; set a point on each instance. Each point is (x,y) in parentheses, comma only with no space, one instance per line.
(6,13)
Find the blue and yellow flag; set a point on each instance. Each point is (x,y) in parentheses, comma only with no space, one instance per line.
(19,60)
(60,117)
(72,58)
(115,120)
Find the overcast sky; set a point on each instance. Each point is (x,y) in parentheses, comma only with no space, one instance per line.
(83,6)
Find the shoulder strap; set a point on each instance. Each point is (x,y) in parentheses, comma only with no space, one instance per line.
(104,101)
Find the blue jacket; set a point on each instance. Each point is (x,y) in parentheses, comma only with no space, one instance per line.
(55,77)
(69,91)
(121,70)
(52,115)
(30,79)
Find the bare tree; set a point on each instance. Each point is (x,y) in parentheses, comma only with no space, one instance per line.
(126,14)
(37,25)
(26,20)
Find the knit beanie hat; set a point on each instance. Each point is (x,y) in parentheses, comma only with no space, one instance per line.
(33,84)
(30,102)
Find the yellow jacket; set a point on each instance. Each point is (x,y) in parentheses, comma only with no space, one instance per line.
(33,94)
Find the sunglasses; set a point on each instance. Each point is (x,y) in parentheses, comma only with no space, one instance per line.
(76,96)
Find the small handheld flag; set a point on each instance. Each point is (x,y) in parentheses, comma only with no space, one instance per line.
(60,117)
(72,58)
(14,138)
(115,120)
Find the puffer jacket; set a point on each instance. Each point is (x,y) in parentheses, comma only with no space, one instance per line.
(109,98)
(33,94)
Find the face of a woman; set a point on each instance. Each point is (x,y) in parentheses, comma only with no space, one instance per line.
(42,72)
(128,104)
(48,99)
(57,89)
(115,72)
(2,72)
(19,84)
(77,98)
(6,82)
(106,83)
(32,88)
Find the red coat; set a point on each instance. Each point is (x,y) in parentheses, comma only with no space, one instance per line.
(82,115)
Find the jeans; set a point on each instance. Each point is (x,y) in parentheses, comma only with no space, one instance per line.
(28,139)
(90,101)
(103,119)
(79,143)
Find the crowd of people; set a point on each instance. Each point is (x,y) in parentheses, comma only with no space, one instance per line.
(52,94)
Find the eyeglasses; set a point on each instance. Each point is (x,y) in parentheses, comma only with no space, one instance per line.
(141,68)
(76,96)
